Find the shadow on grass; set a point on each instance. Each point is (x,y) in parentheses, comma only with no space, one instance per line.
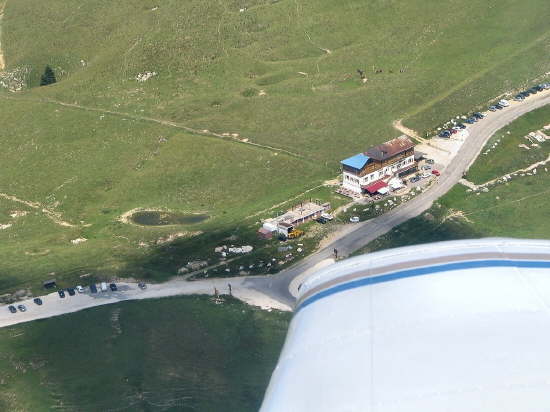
(430,227)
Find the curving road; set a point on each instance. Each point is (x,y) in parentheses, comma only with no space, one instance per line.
(354,237)
(275,291)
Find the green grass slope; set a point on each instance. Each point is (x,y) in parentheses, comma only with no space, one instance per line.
(177,354)
(273,83)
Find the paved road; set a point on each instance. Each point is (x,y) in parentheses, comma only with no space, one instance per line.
(354,237)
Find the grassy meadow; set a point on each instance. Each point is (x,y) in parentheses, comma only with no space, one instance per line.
(174,354)
(279,74)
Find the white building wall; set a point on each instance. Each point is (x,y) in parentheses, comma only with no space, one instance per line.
(353,182)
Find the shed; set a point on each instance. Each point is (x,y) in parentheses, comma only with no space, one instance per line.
(264,233)
(48,284)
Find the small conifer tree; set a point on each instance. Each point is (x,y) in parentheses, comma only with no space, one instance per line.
(48,77)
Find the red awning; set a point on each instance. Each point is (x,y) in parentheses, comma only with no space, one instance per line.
(374,187)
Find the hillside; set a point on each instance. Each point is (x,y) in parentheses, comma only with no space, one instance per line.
(245,104)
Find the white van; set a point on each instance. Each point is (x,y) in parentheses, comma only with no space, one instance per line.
(104,287)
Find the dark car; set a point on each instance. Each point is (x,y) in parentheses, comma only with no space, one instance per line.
(493,108)
(430,161)
(71,291)
(518,97)
(321,220)
(499,106)
(414,179)
(61,293)
(113,287)
(461,125)
(525,93)
(38,301)
(22,308)
(445,133)
(533,90)
(12,309)
(93,288)
(470,120)
(142,285)
(478,115)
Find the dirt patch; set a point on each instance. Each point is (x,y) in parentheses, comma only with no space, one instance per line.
(456,214)
(56,217)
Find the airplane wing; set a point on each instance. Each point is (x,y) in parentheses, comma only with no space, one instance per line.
(449,326)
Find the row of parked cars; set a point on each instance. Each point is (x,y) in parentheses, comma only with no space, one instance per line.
(93,289)
(501,104)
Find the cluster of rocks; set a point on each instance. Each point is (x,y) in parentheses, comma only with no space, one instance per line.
(143,77)
(14,80)
(237,250)
(14,297)
(193,266)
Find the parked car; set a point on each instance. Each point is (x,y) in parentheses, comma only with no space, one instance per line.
(504,103)
(321,220)
(426,167)
(445,133)
(38,301)
(61,293)
(454,131)
(499,106)
(142,285)
(425,175)
(518,98)
(436,172)
(354,219)
(22,308)
(538,88)
(461,125)
(80,289)
(493,108)
(71,291)
(545,86)
(12,309)
(327,216)
(103,286)
(414,179)
(525,93)
(473,119)
(113,287)
(93,288)
(532,90)
(430,161)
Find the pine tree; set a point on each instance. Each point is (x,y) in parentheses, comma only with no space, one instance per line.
(48,77)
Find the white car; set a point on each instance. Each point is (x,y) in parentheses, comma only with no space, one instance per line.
(327,216)
(79,289)
(354,219)
(425,175)
(504,103)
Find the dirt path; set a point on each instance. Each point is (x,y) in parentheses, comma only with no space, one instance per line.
(398,124)
(2,59)
(284,202)
(50,214)
(233,137)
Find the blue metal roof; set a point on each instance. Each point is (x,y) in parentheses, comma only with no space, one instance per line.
(357,161)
